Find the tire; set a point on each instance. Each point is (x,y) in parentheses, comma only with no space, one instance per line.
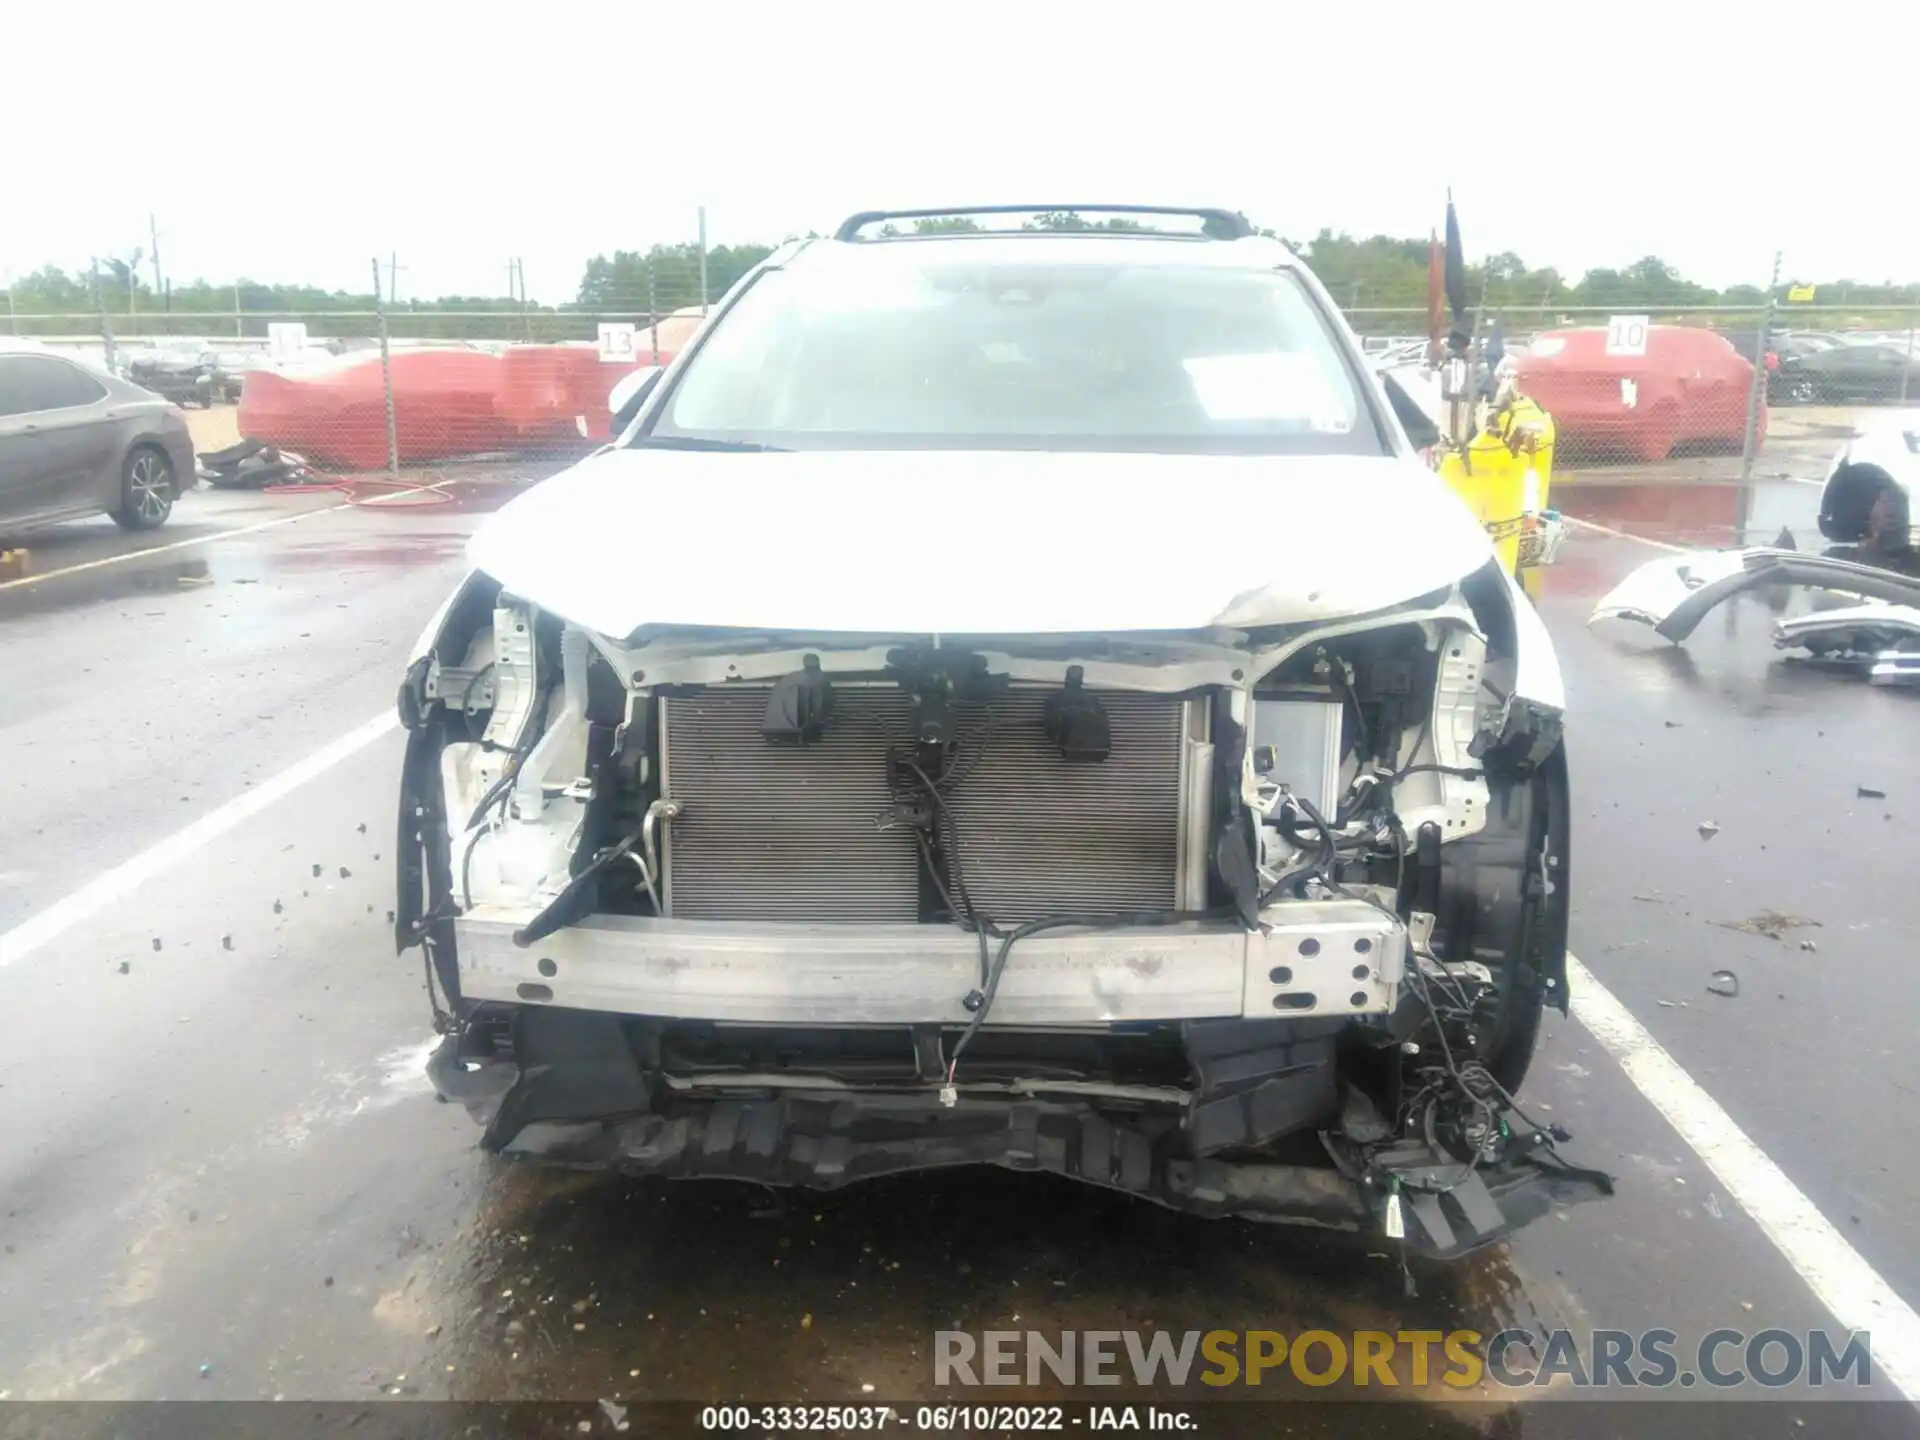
(1802,391)
(1500,906)
(148,488)
(1543,947)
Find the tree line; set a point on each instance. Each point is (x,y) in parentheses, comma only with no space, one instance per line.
(1363,274)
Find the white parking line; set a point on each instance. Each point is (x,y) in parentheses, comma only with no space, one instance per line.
(371,502)
(1624,535)
(126,555)
(1843,1281)
(96,895)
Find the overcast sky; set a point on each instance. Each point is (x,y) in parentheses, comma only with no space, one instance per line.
(293,140)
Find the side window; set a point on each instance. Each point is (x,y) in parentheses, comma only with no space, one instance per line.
(29,383)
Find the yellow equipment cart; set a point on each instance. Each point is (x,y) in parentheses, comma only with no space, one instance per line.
(1504,474)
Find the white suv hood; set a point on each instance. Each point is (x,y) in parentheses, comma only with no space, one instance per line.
(973,542)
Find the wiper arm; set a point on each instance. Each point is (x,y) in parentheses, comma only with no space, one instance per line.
(697,442)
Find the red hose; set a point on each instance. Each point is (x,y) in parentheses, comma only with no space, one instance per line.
(356,488)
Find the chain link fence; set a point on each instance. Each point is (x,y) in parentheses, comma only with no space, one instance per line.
(369,384)
(1719,394)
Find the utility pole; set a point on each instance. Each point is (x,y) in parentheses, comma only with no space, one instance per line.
(100,300)
(239,329)
(153,236)
(703,261)
(393,279)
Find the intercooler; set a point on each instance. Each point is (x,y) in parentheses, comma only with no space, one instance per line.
(809,833)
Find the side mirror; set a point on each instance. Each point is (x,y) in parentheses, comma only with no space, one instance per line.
(630,393)
(1420,426)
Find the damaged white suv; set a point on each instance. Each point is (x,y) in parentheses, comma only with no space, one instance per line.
(1008,697)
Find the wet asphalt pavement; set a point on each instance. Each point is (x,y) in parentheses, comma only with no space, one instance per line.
(223,1176)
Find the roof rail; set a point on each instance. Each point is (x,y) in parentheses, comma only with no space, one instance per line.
(1218,224)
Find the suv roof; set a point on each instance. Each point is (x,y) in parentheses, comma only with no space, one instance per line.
(1211,238)
(1215,223)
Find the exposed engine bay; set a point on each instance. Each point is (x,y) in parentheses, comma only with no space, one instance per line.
(1253,923)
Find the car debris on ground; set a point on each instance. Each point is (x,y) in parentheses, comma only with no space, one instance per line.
(1865,610)
(1774,924)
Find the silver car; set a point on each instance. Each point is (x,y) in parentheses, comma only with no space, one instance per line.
(76,442)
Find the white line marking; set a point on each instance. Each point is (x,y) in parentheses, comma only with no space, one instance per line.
(236,531)
(1833,1269)
(126,555)
(1623,535)
(116,884)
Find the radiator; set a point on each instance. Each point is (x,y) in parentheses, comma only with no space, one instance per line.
(786,832)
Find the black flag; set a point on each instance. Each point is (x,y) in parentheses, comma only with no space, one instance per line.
(1456,273)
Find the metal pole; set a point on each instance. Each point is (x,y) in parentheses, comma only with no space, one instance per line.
(1750,445)
(1906,371)
(13,315)
(239,329)
(106,320)
(393,280)
(703,261)
(653,312)
(386,378)
(153,235)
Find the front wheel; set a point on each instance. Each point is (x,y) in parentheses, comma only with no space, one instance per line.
(147,490)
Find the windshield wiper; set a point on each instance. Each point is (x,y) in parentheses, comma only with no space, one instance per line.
(697,442)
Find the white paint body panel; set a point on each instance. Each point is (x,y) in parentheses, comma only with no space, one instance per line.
(977,543)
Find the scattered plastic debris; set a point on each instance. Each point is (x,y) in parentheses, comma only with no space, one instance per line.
(1867,792)
(1773,924)
(1707,829)
(345,874)
(1808,946)
(1724,982)
(156,944)
(615,1413)
(433,1332)
(126,967)
(226,942)
(205,1371)
(1664,1004)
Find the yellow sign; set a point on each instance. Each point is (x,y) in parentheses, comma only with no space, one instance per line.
(1800,294)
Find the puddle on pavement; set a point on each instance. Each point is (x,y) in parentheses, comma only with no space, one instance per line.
(132,580)
(584,1287)
(1705,514)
